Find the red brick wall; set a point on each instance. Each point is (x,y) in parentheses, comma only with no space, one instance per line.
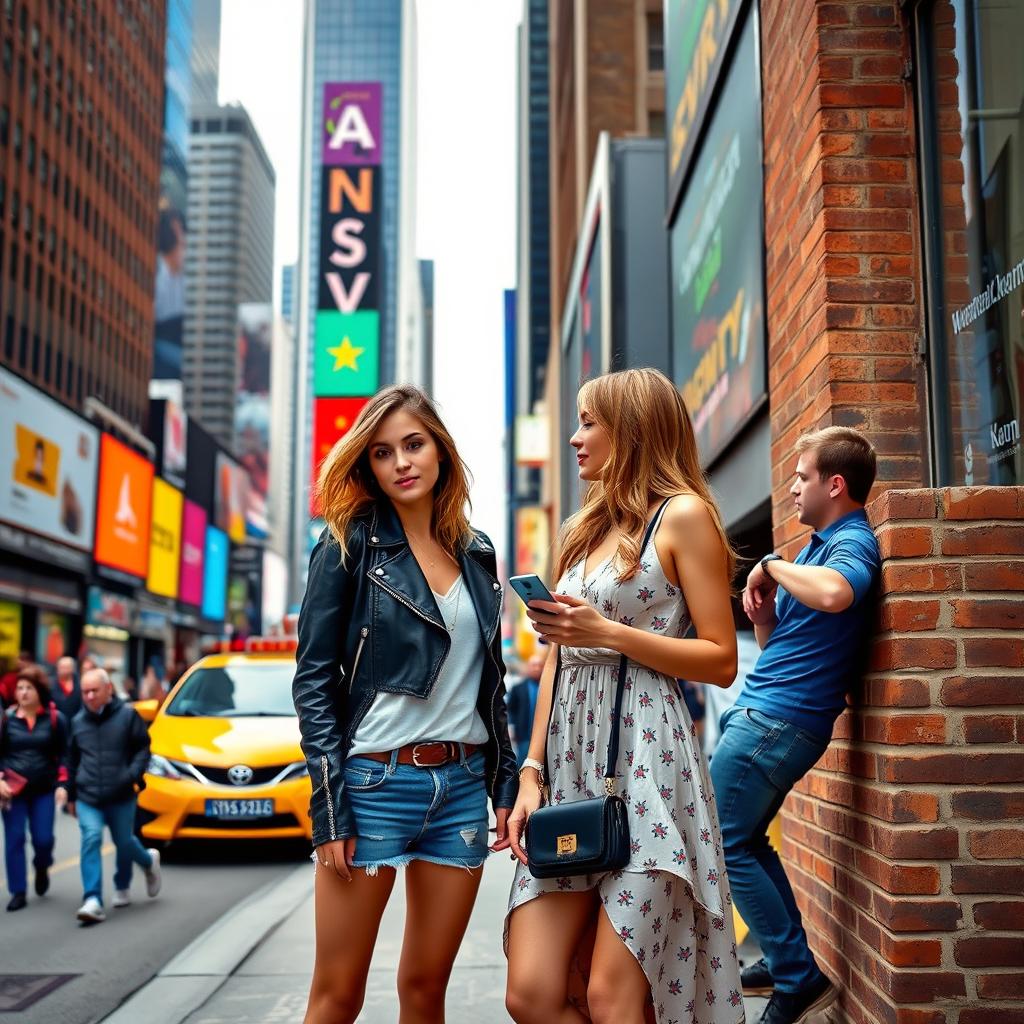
(906,844)
(844,261)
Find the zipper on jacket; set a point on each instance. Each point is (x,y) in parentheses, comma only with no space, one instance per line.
(327,794)
(408,604)
(363,634)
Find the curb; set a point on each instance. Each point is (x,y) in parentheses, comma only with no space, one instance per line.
(199,970)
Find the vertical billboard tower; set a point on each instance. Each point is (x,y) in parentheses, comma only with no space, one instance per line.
(346,338)
(359,76)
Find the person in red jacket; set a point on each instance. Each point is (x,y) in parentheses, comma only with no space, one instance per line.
(33,741)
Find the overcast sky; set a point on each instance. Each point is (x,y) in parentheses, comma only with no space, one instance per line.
(465,187)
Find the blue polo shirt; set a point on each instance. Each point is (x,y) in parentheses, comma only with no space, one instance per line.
(812,658)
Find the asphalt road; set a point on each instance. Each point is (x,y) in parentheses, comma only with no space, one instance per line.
(113,959)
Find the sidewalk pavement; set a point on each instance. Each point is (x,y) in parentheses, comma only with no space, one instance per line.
(255,964)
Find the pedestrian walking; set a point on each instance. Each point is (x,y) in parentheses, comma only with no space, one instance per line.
(644,558)
(107,755)
(67,692)
(33,777)
(401,703)
(522,703)
(811,617)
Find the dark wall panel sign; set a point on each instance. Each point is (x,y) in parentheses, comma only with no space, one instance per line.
(718,323)
(697,36)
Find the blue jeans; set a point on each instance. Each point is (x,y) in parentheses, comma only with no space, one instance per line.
(756,763)
(37,813)
(120,819)
(404,813)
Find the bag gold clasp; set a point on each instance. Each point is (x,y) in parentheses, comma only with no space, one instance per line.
(566,845)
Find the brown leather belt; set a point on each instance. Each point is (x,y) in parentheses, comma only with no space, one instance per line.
(427,755)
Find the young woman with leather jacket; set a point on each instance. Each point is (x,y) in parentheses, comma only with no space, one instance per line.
(401,703)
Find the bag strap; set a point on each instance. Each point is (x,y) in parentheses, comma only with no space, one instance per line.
(613,741)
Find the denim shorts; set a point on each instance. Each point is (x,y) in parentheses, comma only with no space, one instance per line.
(404,813)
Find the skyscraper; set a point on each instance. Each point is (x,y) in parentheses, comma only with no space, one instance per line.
(80,128)
(358,277)
(289,293)
(230,257)
(205,50)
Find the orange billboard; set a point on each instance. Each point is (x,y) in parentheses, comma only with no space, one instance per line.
(123,508)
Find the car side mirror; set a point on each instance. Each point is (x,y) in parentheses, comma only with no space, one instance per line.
(147,709)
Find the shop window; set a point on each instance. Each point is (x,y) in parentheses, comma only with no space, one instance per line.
(971,94)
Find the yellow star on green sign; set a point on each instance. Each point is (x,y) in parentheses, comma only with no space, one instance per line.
(346,355)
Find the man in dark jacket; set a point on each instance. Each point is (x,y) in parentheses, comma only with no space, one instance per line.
(107,756)
(67,693)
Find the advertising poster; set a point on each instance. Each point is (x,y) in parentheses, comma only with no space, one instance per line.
(201,473)
(175,447)
(697,34)
(215,574)
(48,458)
(123,508)
(350,238)
(10,632)
(351,132)
(252,410)
(165,540)
(717,253)
(332,419)
(231,497)
(171,234)
(193,543)
(51,638)
(347,355)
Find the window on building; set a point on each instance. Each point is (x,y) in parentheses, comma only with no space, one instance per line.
(655,41)
(971,94)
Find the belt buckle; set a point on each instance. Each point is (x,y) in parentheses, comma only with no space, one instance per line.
(447,756)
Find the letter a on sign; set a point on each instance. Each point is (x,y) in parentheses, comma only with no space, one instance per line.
(352,127)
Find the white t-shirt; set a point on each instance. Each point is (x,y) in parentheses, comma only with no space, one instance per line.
(449,713)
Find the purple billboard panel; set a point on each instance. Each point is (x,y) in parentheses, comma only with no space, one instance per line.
(351,129)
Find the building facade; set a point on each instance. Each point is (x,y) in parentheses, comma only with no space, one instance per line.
(358,163)
(845,247)
(230,256)
(80,133)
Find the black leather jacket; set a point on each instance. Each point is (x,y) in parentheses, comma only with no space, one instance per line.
(371,625)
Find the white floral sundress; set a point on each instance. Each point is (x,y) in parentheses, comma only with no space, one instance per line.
(671,904)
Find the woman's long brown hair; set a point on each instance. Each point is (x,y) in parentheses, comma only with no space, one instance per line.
(347,487)
(653,455)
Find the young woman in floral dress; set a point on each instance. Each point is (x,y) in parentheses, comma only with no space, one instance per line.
(655,940)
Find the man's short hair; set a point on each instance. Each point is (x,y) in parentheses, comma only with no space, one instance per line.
(845,452)
(104,675)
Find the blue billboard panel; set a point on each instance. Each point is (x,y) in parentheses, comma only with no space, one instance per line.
(215,574)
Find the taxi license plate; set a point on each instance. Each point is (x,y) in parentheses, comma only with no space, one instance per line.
(239,808)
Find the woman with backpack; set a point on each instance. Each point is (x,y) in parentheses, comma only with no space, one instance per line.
(33,742)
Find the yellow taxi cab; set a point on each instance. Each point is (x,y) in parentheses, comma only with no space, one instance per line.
(225,759)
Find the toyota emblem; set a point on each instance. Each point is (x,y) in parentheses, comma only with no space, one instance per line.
(240,775)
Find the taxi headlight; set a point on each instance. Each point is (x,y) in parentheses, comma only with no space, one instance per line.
(162,768)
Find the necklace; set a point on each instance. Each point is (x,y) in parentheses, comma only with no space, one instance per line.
(458,604)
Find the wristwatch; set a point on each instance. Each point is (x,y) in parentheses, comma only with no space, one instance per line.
(537,766)
(769,558)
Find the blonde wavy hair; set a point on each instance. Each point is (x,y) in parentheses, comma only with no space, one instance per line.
(653,454)
(346,486)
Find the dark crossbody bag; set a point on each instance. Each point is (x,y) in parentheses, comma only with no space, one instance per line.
(585,837)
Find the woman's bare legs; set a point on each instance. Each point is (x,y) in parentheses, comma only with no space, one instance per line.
(542,940)
(618,990)
(439,900)
(347,920)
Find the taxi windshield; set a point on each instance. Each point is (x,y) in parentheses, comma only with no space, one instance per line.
(236,691)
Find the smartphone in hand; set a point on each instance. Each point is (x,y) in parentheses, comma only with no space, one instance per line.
(530,588)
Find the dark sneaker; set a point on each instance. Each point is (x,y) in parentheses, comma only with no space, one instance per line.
(18,902)
(42,881)
(757,979)
(797,1007)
